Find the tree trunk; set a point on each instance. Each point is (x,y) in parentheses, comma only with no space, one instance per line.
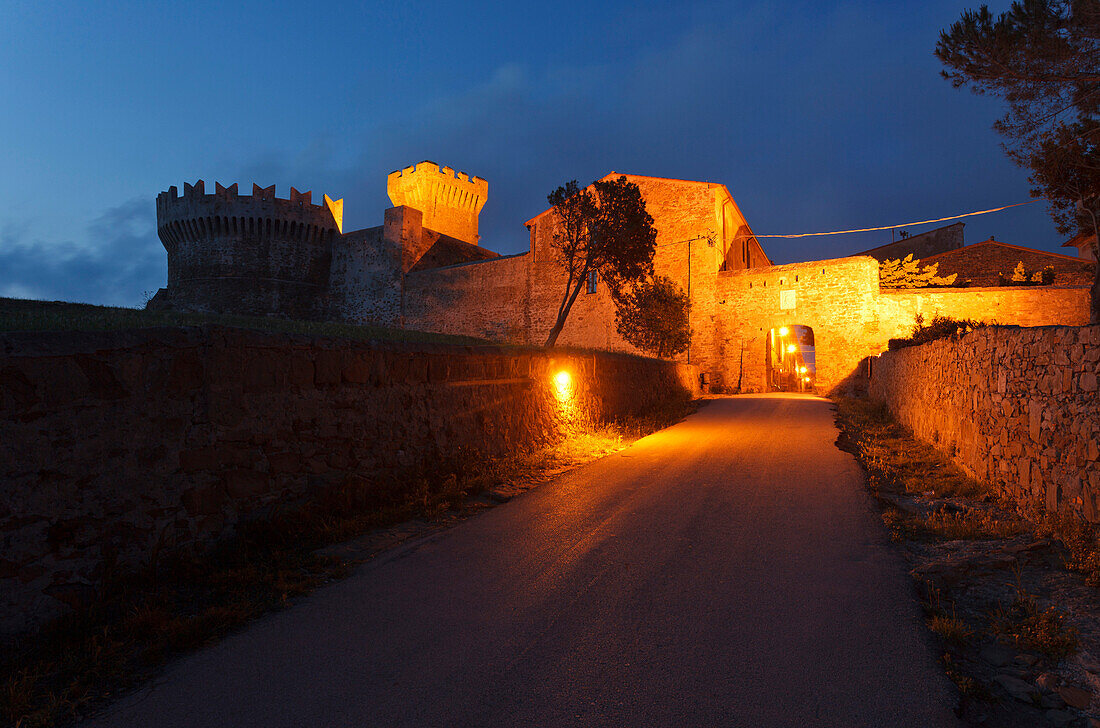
(563,311)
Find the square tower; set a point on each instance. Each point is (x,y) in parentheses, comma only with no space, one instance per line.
(449,201)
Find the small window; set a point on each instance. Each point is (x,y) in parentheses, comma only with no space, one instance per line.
(591,287)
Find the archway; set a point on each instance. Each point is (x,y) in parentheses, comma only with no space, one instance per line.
(791,359)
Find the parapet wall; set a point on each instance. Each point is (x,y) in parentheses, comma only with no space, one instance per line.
(114,445)
(1014,407)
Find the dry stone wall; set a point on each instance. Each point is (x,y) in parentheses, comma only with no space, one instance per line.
(1015,407)
(114,445)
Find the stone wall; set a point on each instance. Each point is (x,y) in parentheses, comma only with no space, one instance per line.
(1015,407)
(115,445)
(1006,305)
(932,242)
(487,299)
(853,318)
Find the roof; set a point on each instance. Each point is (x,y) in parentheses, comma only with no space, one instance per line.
(1079,240)
(991,241)
(451,251)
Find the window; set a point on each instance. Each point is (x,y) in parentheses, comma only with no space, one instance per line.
(591,287)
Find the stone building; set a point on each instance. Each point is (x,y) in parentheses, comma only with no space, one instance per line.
(424,268)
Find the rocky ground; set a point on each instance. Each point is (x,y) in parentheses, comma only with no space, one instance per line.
(1008,613)
(1018,625)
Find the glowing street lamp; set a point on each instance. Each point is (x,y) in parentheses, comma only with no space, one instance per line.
(791,348)
(783,331)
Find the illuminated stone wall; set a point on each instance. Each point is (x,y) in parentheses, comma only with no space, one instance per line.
(516,298)
(114,442)
(1014,407)
(852,318)
(409,274)
(450,201)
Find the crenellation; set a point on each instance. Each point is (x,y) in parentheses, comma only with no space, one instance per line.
(423,269)
(301,198)
(227,193)
(450,201)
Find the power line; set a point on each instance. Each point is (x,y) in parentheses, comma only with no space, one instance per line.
(904,224)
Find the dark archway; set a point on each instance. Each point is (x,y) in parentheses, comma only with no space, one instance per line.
(791,359)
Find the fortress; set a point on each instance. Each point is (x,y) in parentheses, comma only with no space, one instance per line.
(424,269)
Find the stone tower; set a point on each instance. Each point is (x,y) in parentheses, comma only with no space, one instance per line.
(247,254)
(449,201)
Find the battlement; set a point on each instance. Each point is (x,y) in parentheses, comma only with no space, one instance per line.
(227,201)
(450,201)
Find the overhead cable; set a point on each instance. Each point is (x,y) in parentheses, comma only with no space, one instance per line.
(904,224)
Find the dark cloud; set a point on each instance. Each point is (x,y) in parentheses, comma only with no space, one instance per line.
(119,260)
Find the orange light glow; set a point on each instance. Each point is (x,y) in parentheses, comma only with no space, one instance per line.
(565,393)
(791,348)
(802,370)
(783,331)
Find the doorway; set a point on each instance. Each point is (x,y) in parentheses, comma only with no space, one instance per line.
(791,359)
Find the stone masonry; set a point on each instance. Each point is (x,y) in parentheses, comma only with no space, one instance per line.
(425,269)
(1014,407)
(115,446)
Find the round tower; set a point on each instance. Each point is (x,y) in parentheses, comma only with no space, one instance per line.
(253,255)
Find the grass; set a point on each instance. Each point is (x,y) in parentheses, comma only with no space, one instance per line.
(1080,538)
(969,524)
(894,460)
(950,628)
(1027,626)
(194,599)
(25,315)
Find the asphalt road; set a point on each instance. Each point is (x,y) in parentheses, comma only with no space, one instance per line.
(728,571)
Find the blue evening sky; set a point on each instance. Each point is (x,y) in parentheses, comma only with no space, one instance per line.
(817,116)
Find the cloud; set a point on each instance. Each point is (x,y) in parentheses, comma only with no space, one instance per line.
(819,118)
(118,261)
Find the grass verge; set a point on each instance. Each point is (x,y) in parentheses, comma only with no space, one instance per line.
(25,315)
(188,601)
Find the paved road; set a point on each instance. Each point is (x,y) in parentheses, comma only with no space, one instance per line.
(728,571)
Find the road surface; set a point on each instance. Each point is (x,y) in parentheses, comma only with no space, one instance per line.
(728,571)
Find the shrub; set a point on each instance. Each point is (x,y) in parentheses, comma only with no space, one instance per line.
(941,327)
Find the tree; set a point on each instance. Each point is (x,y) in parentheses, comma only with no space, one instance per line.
(908,273)
(653,316)
(603,228)
(1043,58)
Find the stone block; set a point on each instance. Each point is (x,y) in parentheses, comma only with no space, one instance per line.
(244,484)
(204,500)
(328,367)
